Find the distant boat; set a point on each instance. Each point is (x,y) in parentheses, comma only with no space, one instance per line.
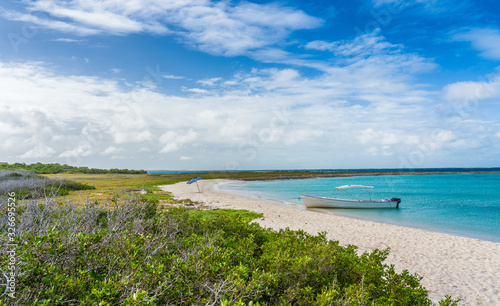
(323,202)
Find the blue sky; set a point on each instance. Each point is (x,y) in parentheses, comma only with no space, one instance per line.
(228,85)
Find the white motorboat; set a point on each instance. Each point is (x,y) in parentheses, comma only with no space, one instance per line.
(356,202)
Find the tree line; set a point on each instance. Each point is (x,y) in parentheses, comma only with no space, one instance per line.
(54,168)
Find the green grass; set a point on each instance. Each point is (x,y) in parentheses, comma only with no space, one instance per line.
(157,197)
(108,186)
(238,214)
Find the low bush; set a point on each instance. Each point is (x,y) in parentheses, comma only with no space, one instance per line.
(133,254)
(31,185)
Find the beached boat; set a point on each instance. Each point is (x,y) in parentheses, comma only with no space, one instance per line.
(356,202)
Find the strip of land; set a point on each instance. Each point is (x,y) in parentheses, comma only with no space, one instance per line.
(450,265)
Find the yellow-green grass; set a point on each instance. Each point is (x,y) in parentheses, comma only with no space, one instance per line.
(109,186)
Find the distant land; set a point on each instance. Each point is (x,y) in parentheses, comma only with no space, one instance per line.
(252,175)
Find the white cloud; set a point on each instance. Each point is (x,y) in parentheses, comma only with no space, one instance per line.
(195,90)
(68,40)
(445,136)
(40,151)
(473,91)
(362,46)
(209,82)
(303,136)
(82,150)
(255,119)
(433,6)
(321,45)
(235,30)
(144,149)
(400,2)
(379,137)
(87,18)
(118,157)
(112,150)
(171,76)
(91,16)
(485,40)
(373,49)
(185,158)
(173,140)
(215,27)
(129,126)
(275,16)
(50,24)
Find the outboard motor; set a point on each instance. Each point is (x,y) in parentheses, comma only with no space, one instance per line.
(398,200)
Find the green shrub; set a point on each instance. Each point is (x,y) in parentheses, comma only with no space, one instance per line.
(132,254)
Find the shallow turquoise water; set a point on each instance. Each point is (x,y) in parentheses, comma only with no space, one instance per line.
(460,204)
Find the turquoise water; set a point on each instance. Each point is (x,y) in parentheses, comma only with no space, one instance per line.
(459,204)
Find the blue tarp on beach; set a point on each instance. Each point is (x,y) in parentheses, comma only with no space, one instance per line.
(195,179)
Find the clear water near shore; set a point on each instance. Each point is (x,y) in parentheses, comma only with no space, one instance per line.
(459,204)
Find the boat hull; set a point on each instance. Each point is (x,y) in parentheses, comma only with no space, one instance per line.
(322,202)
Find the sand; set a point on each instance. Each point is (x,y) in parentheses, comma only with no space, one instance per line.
(462,267)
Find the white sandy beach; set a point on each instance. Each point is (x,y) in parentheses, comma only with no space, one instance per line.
(450,265)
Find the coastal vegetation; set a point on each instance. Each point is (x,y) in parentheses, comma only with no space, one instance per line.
(127,247)
(31,185)
(53,168)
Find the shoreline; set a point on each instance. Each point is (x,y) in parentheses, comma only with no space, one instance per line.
(340,214)
(465,268)
(273,175)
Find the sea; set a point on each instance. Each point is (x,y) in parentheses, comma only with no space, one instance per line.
(465,205)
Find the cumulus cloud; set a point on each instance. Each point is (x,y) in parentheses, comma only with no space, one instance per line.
(244,121)
(173,140)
